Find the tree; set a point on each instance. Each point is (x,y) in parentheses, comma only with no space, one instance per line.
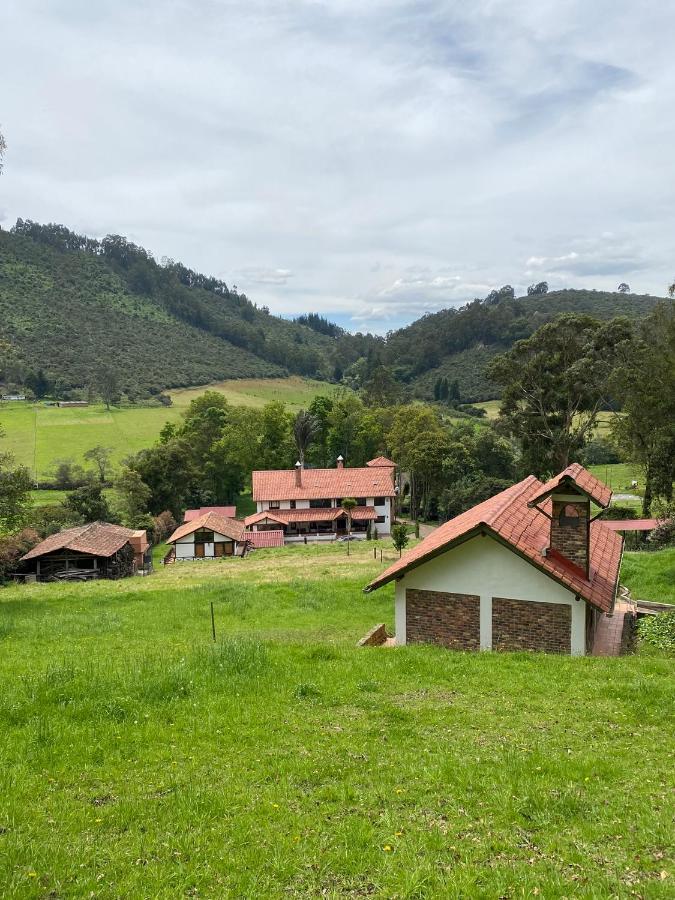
(38,383)
(100,456)
(132,498)
(399,536)
(349,504)
(305,429)
(623,288)
(381,389)
(644,382)
(89,503)
(162,526)
(108,386)
(536,290)
(453,395)
(15,487)
(555,384)
(68,475)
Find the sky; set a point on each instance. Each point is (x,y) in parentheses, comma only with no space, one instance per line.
(367,160)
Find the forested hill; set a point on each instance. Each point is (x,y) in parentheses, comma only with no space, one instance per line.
(76,308)
(459,343)
(73,310)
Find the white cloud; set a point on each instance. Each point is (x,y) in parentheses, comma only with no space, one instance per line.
(367,161)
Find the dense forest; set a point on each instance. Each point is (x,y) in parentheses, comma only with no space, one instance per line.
(77,313)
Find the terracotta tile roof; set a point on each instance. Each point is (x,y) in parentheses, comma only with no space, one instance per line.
(286,516)
(323,484)
(230,512)
(230,528)
(95,538)
(381,462)
(631,524)
(589,484)
(510,518)
(261,539)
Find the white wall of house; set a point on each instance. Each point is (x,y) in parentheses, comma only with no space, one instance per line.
(484,567)
(383,510)
(185,546)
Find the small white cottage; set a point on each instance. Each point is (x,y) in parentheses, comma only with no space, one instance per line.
(210,536)
(529,569)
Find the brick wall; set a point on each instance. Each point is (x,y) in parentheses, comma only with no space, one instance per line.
(438,617)
(521,625)
(571,539)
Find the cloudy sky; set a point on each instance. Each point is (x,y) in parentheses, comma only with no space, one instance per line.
(366,159)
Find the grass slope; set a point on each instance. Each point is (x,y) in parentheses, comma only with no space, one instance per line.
(650,576)
(38,435)
(140,759)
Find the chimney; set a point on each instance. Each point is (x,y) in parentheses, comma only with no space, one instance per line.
(570,527)
(340,462)
(298,474)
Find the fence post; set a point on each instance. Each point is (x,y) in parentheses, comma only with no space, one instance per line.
(213,622)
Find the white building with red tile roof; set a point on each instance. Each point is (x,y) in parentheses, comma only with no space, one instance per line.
(307,503)
(210,536)
(529,569)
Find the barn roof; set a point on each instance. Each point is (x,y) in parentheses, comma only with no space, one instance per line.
(511,518)
(323,484)
(230,512)
(95,538)
(230,528)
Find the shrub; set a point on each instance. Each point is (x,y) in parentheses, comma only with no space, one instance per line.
(662,536)
(659,631)
(600,452)
(12,548)
(619,512)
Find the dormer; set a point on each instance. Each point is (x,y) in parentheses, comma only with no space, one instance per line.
(568,498)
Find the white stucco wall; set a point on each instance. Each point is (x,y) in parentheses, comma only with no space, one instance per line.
(486,568)
(185,546)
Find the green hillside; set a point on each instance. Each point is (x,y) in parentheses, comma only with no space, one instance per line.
(74,308)
(459,343)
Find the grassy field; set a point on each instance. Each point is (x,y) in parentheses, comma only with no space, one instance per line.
(650,576)
(38,435)
(140,758)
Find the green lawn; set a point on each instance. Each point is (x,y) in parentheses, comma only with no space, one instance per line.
(140,759)
(38,435)
(650,576)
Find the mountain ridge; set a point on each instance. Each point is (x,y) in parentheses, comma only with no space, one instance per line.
(74,307)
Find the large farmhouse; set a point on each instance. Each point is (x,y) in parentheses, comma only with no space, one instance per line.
(528,569)
(305,504)
(210,536)
(96,550)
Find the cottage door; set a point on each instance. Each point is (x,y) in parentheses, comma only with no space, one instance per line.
(199,551)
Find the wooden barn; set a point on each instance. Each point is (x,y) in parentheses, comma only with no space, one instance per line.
(95,550)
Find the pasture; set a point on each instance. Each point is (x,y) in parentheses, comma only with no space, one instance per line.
(140,758)
(40,435)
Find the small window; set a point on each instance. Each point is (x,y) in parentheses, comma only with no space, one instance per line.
(292,503)
(275,504)
(380,501)
(380,520)
(362,501)
(569,516)
(203,537)
(319,504)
